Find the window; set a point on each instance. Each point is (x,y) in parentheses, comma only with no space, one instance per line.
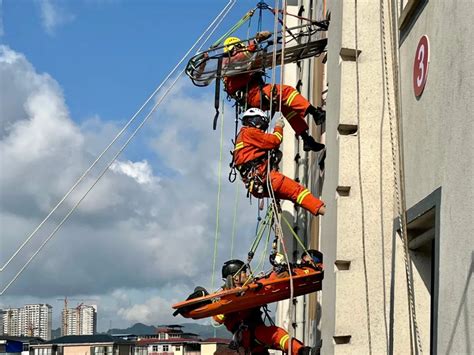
(155,347)
(177,348)
(166,348)
(423,246)
(102,350)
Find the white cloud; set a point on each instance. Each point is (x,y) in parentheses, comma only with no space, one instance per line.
(53,16)
(136,230)
(140,171)
(148,312)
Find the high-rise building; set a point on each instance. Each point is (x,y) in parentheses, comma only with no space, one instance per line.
(1,321)
(81,320)
(33,320)
(11,319)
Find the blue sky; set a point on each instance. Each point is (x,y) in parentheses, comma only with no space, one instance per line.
(71,74)
(109,55)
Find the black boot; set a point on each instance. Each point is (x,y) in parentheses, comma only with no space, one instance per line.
(318,114)
(309,143)
(305,350)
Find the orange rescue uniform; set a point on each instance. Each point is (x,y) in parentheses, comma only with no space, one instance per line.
(255,335)
(293,104)
(252,143)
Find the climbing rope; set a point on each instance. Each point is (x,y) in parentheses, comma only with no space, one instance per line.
(364,251)
(397,158)
(210,30)
(234,219)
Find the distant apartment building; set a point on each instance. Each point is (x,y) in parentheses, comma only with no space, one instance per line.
(32,320)
(171,340)
(81,320)
(98,344)
(1,321)
(11,319)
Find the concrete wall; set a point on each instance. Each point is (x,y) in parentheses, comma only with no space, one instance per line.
(356,232)
(364,301)
(439,153)
(77,350)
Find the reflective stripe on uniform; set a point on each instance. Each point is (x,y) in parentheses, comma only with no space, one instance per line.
(279,135)
(283,341)
(220,316)
(301,196)
(290,115)
(239,145)
(291,97)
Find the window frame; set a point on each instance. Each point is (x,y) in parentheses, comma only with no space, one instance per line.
(424,206)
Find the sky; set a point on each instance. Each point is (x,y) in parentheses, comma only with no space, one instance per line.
(72,73)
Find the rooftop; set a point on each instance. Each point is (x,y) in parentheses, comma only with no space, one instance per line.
(88,339)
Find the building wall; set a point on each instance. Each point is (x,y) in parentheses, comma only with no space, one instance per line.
(77,350)
(356,232)
(208,349)
(1,321)
(11,321)
(124,350)
(438,152)
(364,298)
(81,320)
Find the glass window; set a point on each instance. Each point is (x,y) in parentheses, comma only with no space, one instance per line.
(155,347)
(166,348)
(99,350)
(177,348)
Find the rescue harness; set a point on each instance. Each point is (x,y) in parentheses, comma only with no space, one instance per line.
(253,178)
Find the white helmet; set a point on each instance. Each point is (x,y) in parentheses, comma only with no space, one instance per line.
(255,117)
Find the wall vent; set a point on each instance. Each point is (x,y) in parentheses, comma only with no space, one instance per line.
(342,339)
(343,190)
(349,54)
(342,265)
(347,129)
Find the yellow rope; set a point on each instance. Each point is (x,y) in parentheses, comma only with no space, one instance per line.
(219,188)
(234,223)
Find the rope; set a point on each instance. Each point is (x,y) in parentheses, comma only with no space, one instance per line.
(234,221)
(263,226)
(282,241)
(399,189)
(219,19)
(364,251)
(234,28)
(219,187)
(295,235)
(263,256)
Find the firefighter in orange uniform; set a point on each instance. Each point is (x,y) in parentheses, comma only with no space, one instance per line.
(251,158)
(248,328)
(250,87)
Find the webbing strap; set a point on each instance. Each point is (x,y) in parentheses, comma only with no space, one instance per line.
(217,93)
(234,28)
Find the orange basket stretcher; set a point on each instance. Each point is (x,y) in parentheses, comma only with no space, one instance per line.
(261,291)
